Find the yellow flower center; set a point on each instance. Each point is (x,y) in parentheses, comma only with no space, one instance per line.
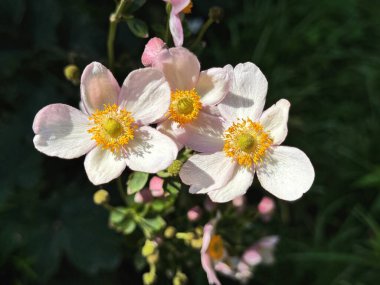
(184,106)
(187,9)
(247,142)
(215,248)
(113,128)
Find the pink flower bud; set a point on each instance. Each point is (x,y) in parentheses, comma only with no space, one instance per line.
(194,213)
(151,51)
(266,208)
(143,196)
(156,186)
(251,256)
(239,203)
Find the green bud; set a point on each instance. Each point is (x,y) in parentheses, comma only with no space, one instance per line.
(175,167)
(149,248)
(180,278)
(170,232)
(101,197)
(153,258)
(216,14)
(72,73)
(149,277)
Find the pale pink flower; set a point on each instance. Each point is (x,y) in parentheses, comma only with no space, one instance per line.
(247,142)
(236,269)
(156,186)
(112,128)
(175,23)
(194,214)
(194,95)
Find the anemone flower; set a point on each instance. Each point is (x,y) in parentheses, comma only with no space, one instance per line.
(175,23)
(247,142)
(112,128)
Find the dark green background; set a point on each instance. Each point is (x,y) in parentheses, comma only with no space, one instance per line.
(322,55)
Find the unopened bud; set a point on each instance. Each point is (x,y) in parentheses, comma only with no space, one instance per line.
(185,236)
(169,232)
(153,258)
(216,14)
(148,248)
(72,73)
(149,277)
(175,167)
(180,278)
(101,197)
(196,243)
(194,214)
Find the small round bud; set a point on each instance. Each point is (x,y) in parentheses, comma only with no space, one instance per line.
(149,278)
(72,73)
(216,14)
(196,243)
(194,214)
(185,236)
(180,278)
(175,167)
(101,197)
(148,248)
(170,232)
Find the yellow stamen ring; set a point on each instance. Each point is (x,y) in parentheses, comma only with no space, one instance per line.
(246,142)
(112,128)
(184,106)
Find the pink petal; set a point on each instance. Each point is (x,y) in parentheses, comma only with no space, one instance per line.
(146,94)
(179,5)
(206,172)
(102,166)
(251,256)
(238,185)
(247,94)
(176,29)
(98,87)
(61,130)
(168,127)
(275,120)
(213,85)
(206,261)
(156,186)
(204,134)
(180,66)
(286,172)
(150,151)
(151,51)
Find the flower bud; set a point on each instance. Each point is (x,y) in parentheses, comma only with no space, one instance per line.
(266,208)
(180,278)
(149,248)
(72,73)
(153,258)
(194,214)
(196,243)
(143,196)
(170,232)
(216,14)
(175,167)
(239,203)
(149,277)
(156,186)
(101,197)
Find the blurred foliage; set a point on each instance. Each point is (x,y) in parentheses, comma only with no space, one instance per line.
(321,55)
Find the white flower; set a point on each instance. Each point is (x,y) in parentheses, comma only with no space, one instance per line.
(249,143)
(112,126)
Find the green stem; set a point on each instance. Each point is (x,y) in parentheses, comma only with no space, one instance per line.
(114,20)
(202,33)
(121,189)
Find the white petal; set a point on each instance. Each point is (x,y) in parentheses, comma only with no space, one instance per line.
(238,185)
(167,127)
(98,87)
(205,134)
(146,94)
(286,172)
(180,66)
(275,121)
(150,151)
(102,166)
(213,85)
(61,131)
(247,94)
(206,172)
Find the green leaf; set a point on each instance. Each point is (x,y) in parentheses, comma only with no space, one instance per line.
(138,28)
(137,181)
(152,225)
(129,227)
